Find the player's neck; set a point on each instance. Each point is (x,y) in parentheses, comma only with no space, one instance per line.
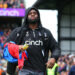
(33,26)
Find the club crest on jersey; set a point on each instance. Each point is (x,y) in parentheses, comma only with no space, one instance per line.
(27,34)
(40,34)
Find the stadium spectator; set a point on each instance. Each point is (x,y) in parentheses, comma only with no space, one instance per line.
(1,4)
(21,5)
(5,4)
(72,70)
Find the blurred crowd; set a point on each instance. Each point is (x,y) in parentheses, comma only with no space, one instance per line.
(3,36)
(5,31)
(11,3)
(66,63)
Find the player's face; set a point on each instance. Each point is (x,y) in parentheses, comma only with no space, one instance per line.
(33,14)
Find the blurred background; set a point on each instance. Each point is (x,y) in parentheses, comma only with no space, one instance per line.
(56,15)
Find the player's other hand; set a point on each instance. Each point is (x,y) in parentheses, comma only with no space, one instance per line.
(50,63)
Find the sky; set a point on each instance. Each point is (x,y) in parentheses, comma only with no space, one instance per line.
(29,3)
(49,21)
(48,18)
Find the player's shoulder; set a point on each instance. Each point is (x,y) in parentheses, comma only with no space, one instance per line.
(46,30)
(18,29)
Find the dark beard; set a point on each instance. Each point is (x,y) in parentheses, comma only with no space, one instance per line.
(30,21)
